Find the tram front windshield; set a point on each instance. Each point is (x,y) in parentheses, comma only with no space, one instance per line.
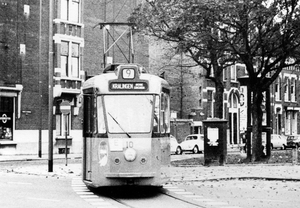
(129,113)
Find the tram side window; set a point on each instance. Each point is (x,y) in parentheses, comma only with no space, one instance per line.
(100,116)
(88,115)
(156,115)
(165,113)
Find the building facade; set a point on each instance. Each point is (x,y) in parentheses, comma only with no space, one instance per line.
(31,49)
(47,49)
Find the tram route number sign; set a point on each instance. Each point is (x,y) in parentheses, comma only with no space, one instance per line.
(65,107)
(128,86)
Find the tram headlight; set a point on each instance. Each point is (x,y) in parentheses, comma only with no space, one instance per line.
(130,154)
(103,153)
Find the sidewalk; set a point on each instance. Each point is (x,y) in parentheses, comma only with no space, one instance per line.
(176,174)
(10,158)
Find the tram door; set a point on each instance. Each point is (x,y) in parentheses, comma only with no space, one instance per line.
(88,159)
(88,129)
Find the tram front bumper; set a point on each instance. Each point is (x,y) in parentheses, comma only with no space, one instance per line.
(130,175)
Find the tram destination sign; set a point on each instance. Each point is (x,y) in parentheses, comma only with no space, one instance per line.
(128,86)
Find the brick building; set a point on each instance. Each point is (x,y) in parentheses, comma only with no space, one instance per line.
(32,51)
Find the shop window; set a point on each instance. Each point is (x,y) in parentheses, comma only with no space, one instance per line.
(6,118)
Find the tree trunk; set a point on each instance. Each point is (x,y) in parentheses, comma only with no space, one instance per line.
(257,117)
(218,109)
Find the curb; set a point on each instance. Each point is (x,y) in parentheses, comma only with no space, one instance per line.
(238,178)
(38,159)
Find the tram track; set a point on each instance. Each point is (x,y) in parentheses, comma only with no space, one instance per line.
(136,197)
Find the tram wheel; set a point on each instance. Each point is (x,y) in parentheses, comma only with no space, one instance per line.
(195,150)
(178,151)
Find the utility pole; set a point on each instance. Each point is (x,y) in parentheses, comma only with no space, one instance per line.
(50,96)
(40,84)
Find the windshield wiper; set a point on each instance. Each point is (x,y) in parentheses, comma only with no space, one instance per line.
(119,125)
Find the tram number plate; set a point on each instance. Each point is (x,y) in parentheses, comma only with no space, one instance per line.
(116,145)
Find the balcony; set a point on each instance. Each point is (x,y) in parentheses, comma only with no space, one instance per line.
(68,28)
(67,85)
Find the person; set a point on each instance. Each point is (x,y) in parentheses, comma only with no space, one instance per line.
(244,140)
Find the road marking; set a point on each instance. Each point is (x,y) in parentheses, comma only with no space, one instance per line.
(89,196)
(80,188)
(84,193)
(198,198)
(94,199)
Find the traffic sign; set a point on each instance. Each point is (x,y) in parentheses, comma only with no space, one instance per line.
(65,107)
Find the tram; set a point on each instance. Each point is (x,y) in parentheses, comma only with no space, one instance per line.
(126,128)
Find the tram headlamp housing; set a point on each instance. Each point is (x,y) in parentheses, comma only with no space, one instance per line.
(130,154)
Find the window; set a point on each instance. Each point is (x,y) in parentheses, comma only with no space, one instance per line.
(128,113)
(75,60)
(63,121)
(293,90)
(200,96)
(89,112)
(286,89)
(241,70)
(69,59)
(210,103)
(70,10)
(233,72)
(225,74)
(165,113)
(100,116)
(277,90)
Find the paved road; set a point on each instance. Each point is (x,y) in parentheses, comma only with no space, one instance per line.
(229,186)
(22,191)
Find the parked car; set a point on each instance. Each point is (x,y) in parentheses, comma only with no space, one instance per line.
(173,144)
(293,141)
(192,143)
(278,141)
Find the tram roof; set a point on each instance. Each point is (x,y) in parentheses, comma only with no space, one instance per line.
(101,83)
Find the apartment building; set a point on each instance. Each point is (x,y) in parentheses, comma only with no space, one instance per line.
(46,50)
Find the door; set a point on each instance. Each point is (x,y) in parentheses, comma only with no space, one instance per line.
(87,159)
(6,118)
